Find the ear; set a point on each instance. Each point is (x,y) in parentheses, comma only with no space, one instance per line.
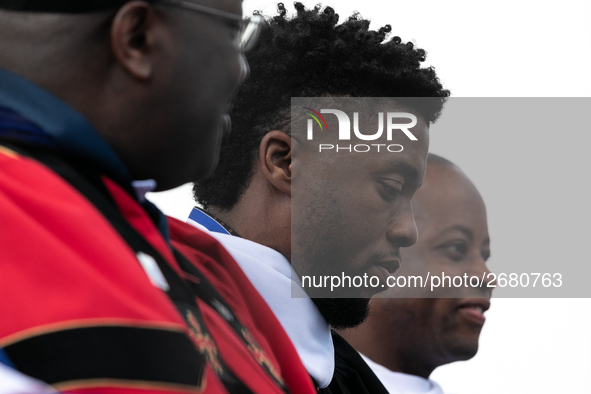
(133,37)
(275,160)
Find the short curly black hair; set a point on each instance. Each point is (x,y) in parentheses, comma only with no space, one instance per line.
(309,55)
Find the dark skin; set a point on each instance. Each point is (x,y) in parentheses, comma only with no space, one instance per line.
(155,84)
(417,335)
(263,213)
(379,189)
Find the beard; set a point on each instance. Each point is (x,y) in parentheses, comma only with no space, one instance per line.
(341,313)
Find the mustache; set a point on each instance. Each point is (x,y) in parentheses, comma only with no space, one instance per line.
(387,256)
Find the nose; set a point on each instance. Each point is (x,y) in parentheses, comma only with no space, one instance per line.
(402,230)
(480,270)
(490,282)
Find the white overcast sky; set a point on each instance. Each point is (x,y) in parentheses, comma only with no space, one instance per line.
(493,49)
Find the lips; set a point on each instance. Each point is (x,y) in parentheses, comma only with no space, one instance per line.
(383,269)
(473,309)
(390,266)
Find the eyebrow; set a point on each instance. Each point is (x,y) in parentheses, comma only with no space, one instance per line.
(409,172)
(467,231)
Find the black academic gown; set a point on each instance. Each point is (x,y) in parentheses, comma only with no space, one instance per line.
(352,375)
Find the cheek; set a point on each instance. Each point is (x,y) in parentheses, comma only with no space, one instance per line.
(211,157)
(213,73)
(418,261)
(442,316)
(230,68)
(411,313)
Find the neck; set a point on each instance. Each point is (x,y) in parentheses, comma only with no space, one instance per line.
(261,215)
(408,364)
(392,351)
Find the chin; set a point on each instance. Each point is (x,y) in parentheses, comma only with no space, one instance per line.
(341,313)
(205,169)
(463,350)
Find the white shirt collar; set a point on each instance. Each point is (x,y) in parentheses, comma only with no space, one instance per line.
(16,382)
(143,187)
(270,273)
(402,383)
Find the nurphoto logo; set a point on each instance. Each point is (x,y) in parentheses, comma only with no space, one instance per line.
(393,124)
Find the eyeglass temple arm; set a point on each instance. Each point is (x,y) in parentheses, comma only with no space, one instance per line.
(204,9)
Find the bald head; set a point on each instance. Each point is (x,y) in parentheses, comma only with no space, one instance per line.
(446,187)
(416,335)
(43,46)
(143,75)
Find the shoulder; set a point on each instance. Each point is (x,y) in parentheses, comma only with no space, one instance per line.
(226,276)
(71,282)
(352,374)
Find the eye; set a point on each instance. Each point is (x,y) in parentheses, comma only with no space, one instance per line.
(456,250)
(390,188)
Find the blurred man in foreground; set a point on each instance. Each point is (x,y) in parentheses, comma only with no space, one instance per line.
(404,339)
(249,200)
(100,102)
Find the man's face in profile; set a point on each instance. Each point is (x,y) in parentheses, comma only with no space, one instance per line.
(453,238)
(208,69)
(351,211)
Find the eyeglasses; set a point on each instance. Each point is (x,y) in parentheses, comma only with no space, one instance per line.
(250,28)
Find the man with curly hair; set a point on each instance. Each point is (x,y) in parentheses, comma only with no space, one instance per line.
(248,201)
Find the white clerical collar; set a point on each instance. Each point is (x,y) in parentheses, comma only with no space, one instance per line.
(270,273)
(402,383)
